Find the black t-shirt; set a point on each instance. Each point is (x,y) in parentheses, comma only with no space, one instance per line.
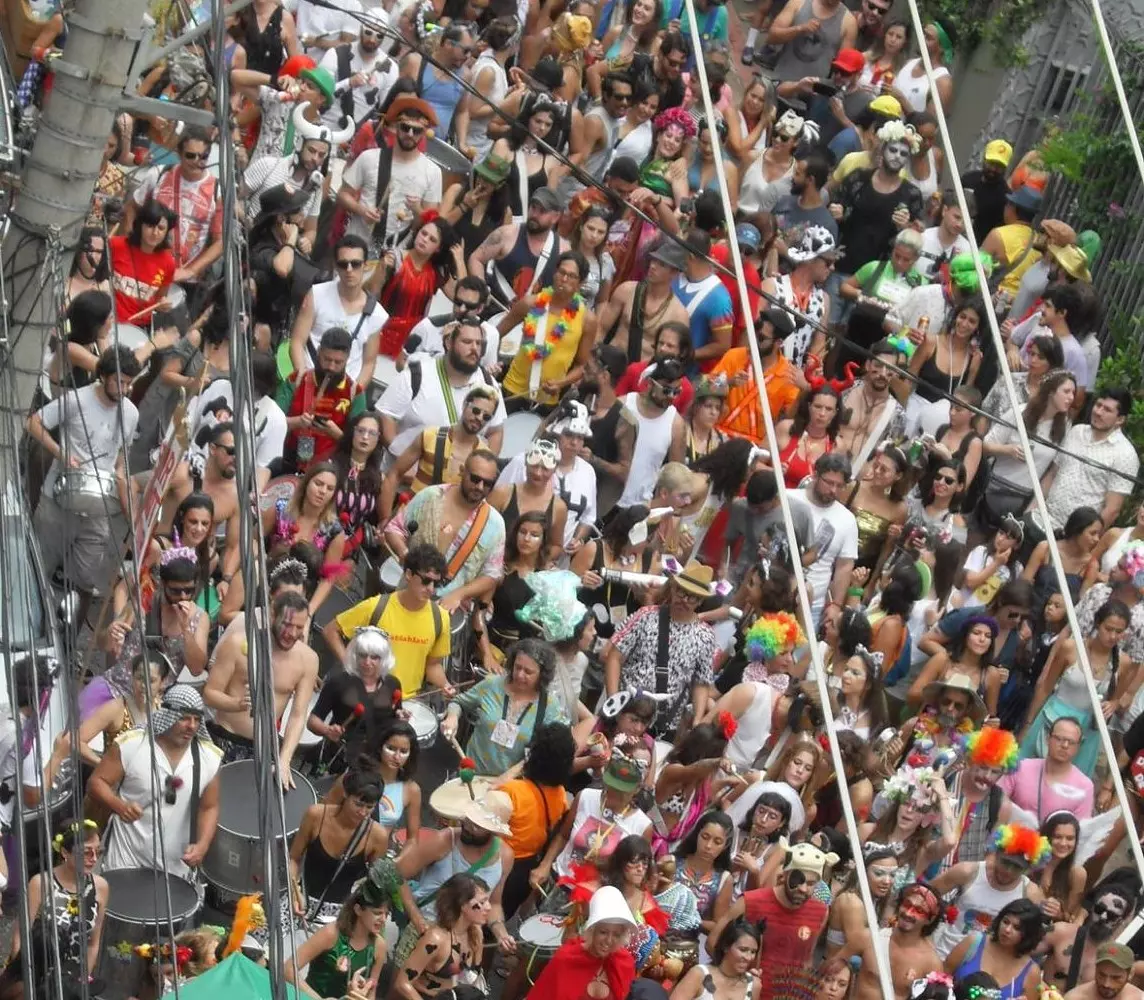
(341,693)
(671,93)
(990,198)
(867,230)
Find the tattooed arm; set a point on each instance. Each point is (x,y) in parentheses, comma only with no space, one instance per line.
(495,246)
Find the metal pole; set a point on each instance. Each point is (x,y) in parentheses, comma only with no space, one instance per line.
(58,178)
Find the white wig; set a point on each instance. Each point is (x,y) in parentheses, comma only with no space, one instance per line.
(369,642)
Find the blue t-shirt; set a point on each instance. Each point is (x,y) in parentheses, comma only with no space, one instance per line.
(714,312)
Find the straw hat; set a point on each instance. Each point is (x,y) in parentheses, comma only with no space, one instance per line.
(957,682)
(491,812)
(695,579)
(451,800)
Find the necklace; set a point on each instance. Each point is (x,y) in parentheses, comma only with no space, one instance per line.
(554,332)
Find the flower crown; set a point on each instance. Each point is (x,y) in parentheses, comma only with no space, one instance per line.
(1132,562)
(990,747)
(1017,841)
(177,552)
(915,785)
(678,117)
(898,131)
(772,635)
(73,828)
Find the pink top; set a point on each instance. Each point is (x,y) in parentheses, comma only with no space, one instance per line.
(1025,787)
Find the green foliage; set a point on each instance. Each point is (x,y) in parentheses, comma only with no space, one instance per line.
(1124,368)
(1000,24)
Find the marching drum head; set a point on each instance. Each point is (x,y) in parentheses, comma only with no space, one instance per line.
(280,487)
(136,898)
(449,159)
(391,573)
(519,430)
(543,933)
(238,798)
(384,372)
(424,722)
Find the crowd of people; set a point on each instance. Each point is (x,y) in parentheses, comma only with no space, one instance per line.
(520,511)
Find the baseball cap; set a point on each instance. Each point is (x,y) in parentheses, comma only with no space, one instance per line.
(849,61)
(747,235)
(886,106)
(1117,954)
(998,151)
(547,199)
(622,774)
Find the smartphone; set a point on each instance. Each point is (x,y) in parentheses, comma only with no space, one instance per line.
(824,87)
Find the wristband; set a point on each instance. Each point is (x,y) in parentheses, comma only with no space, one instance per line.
(854,591)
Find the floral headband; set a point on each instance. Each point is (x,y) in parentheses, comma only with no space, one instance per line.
(73,828)
(1132,562)
(897,131)
(678,117)
(915,785)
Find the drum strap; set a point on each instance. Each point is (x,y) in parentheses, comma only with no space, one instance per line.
(482,862)
(384,172)
(366,312)
(196,780)
(663,646)
(636,323)
(439,453)
(465,549)
(350,850)
(438,616)
(1077,958)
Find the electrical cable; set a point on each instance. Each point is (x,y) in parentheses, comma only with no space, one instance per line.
(805,605)
(1080,640)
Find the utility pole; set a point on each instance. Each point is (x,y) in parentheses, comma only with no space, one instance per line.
(58,178)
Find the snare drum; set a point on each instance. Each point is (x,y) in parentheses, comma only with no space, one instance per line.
(87,492)
(136,912)
(233,865)
(391,573)
(455,165)
(279,488)
(460,635)
(540,938)
(131,337)
(424,722)
(519,430)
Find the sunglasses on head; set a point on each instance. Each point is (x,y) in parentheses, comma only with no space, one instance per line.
(350,265)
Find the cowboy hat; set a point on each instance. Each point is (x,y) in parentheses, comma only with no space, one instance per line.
(957,682)
(491,812)
(282,199)
(450,800)
(409,102)
(695,578)
(1071,260)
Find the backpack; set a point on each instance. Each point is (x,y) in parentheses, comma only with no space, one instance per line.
(383,603)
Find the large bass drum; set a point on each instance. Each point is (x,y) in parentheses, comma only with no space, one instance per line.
(233,865)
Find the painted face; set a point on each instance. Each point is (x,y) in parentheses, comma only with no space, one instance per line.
(895,155)
(529,537)
(881,875)
(919,907)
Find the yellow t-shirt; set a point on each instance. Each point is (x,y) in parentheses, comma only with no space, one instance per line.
(412,634)
(1015,238)
(554,367)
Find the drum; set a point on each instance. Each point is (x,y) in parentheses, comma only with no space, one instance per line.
(280,487)
(455,165)
(424,722)
(540,938)
(460,636)
(233,865)
(87,492)
(307,739)
(384,373)
(131,337)
(137,911)
(391,574)
(449,799)
(519,430)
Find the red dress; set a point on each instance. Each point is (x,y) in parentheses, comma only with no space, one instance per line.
(797,467)
(406,298)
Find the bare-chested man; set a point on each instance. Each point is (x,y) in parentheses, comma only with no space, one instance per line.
(294,668)
(1114,904)
(1114,964)
(218,483)
(911,955)
(644,306)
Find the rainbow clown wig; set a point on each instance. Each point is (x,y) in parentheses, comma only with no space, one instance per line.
(772,635)
(991,747)
(1014,841)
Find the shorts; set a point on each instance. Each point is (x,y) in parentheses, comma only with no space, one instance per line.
(233,746)
(85,548)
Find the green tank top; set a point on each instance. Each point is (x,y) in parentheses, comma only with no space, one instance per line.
(331,972)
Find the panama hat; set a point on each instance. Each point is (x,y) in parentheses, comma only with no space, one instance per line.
(957,682)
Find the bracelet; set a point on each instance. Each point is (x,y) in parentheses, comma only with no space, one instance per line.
(854,591)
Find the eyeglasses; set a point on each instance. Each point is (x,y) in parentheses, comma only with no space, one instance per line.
(476,480)
(408,129)
(427,581)
(196,157)
(349,265)
(463,306)
(1064,741)
(92,852)
(185,591)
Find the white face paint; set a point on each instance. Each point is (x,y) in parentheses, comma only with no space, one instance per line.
(895,155)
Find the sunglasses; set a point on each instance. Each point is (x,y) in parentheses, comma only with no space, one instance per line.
(948,480)
(350,265)
(428,581)
(463,306)
(483,414)
(476,480)
(407,129)
(196,157)
(670,391)
(185,591)
(228,448)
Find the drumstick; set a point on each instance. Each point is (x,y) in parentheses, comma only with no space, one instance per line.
(428,692)
(145,312)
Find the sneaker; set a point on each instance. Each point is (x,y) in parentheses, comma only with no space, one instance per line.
(748,56)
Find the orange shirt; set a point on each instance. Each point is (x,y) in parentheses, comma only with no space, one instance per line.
(529,832)
(742,409)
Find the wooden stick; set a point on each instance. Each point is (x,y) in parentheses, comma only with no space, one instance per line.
(145,312)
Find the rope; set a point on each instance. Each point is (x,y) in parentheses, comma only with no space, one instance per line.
(1038,494)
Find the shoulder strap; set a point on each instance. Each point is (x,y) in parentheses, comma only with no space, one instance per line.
(414,379)
(662,649)
(995,797)
(379,609)
(465,549)
(635,323)
(346,99)
(439,453)
(419,86)
(351,849)
(384,170)
(438,621)
(1076,958)
(366,312)
(196,791)
(550,244)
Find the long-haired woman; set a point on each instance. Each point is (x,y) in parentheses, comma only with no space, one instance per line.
(811,433)
(357,460)
(1062,880)
(847,932)
(1077,542)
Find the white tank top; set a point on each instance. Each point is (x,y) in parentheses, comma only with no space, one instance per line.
(479,127)
(915,89)
(976,908)
(754,727)
(329,312)
(653,440)
(928,185)
(1110,558)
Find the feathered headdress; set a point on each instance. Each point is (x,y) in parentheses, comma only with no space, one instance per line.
(991,747)
(772,635)
(1022,842)
(917,786)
